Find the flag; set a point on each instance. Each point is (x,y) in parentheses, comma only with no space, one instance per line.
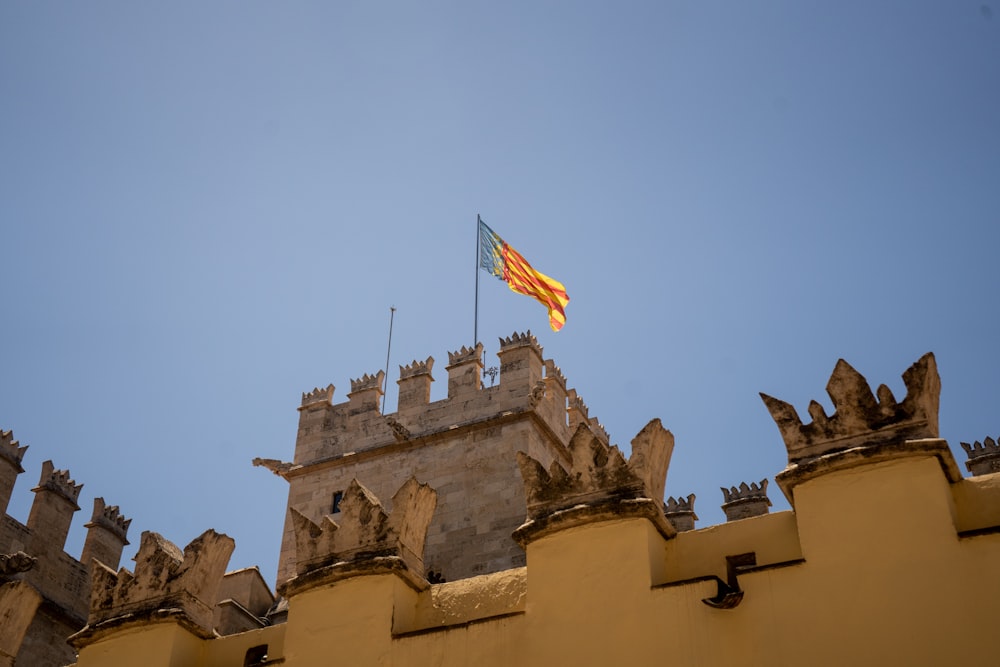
(497,258)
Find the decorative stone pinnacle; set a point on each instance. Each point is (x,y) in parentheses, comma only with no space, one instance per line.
(745,501)
(753,491)
(366,531)
(599,472)
(58,481)
(520,340)
(110,518)
(984,458)
(861,418)
(466,355)
(165,580)
(11,451)
(576,403)
(678,505)
(416,368)
(553,372)
(368,382)
(317,395)
(680,512)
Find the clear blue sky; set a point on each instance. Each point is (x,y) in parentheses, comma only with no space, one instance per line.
(208,208)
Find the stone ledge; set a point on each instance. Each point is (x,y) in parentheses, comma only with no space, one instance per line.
(805,471)
(585,514)
(336,572)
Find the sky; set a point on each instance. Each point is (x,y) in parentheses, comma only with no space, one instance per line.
(207,209)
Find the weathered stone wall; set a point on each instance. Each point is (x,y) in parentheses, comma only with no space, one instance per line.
(464,446)
(61,581)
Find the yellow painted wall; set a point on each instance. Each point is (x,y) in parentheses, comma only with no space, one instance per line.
(883,564)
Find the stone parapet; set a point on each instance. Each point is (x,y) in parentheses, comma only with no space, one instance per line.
(984,458)
(745,501)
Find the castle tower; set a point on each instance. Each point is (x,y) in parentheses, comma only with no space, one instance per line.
(10,467)
(106,535)
(464,446)
(52,510)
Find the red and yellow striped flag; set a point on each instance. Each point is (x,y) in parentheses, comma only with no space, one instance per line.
(499,259)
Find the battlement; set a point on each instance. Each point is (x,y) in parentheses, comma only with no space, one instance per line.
(680,512)
(182,584)
(859,418)
(599,482)
(368,382)
(746,501)
(527,384)
(318,396)
(366,534)
(984,458)
(58,482)
(465,355)
(110,518)
(417,368)
(11,451)
(526,339)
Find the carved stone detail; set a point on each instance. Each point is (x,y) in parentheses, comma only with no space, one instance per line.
(166,580)
(599,476)
(984,458)
(110,518)
(400,432)
(15,563)
(59,482)
(317,396)
(745,501)
(368,382)
(366,531)
(680,512)
(276,466)
(537,394)
(465,355)
(520,340)
(416,368)
(861,418)
(11,451)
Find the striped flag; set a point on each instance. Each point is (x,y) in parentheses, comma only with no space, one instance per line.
(496,257)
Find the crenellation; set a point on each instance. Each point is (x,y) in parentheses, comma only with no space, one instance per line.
(166,582)
(318,396)
(11,450)
(521,364)
(415,385)
(680,512)
(465,371)
(745,501)
(984,458)
(11,455)
(52,510)
(861,418)
(107,535)
(599,483)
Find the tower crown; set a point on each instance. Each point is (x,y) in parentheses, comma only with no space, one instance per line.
(11,451)
(861,418)
(59,482)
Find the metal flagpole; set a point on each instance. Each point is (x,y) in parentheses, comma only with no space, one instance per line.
(392,315)
(479,249)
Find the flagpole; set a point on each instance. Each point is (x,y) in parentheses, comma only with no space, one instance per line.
(479,249)
(385,387)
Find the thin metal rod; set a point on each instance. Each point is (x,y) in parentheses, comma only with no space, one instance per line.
(385,380)
(479,249)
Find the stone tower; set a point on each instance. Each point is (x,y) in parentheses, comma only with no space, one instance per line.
(464,446)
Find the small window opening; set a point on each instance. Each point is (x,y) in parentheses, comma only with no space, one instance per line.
(256,655)
(337,497)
